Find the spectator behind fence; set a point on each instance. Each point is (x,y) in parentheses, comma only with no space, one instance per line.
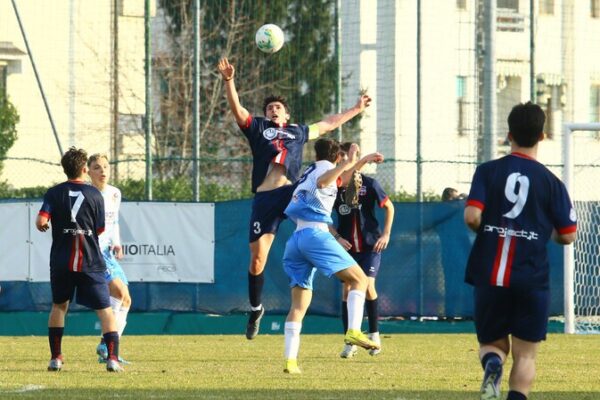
(450,194)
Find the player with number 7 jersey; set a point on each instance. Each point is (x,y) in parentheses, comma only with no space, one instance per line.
(76,210)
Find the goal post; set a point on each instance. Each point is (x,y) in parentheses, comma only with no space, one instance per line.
(580,314)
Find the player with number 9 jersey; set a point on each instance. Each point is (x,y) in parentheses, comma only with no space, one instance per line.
(76,211)
(521,202)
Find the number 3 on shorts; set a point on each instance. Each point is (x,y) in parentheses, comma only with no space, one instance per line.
(256,225)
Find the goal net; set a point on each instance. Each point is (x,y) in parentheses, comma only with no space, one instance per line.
(582,259)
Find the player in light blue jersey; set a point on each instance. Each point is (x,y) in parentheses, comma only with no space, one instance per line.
(312,247)
(110,245)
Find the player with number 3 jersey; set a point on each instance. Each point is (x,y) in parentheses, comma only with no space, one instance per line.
(516,205)
(277,148)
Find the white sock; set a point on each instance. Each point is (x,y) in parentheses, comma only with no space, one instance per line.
(356,305)
(374,336)
(292,340)
(258,307)
(115,304)
(121,319)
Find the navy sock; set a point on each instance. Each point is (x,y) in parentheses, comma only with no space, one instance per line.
(373,315)
(255,288)
(491,356)
(345,315)
(55,339)
(514,395)
(112,344)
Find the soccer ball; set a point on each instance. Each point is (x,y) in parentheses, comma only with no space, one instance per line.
(269,38)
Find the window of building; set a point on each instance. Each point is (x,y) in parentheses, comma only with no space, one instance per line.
(461,4)
(546,7)
(509,4)
(3,75)
(595,103)
(595,8)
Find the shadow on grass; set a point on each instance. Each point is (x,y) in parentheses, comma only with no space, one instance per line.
(33,392)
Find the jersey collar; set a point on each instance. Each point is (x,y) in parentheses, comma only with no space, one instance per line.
(517,154)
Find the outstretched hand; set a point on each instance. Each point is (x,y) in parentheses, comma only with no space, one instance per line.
(227,71)
(363,102)
(373,158)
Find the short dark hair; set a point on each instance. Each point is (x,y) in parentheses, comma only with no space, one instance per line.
(449,193)
(271,99)
(73,162)
(327,149)
(526,124)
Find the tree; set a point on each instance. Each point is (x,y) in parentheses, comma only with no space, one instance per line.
(304,72)
(9,118)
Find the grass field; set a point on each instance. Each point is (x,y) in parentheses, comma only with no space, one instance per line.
(411,366)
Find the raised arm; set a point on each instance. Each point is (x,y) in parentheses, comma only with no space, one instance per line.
(334,121)
(345,165)
(227,72)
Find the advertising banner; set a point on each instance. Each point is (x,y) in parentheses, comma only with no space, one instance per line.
(162,242)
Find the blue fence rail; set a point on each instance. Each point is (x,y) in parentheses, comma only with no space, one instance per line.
(421,272)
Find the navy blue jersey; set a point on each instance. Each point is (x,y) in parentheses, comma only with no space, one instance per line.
(76,211)
(359,225)
(521,203)
(270,142)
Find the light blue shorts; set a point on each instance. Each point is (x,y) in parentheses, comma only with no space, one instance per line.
(113,268)
(312,249)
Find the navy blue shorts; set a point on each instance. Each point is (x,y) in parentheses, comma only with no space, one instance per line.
(522,313)
(369,261)
(92,289)
(267,210)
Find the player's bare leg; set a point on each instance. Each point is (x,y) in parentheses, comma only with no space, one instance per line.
(522,373)
(492,356)
(259,252)
(301,299)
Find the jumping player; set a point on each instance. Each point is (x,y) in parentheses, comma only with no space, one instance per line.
(358,232)
(312,248)
(110,245)
(277,158)
(76,212)
(515,206)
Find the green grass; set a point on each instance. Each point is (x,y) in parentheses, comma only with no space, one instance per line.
(411,366)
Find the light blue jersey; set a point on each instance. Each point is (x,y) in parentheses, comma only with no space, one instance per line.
(309,203)
(312,247)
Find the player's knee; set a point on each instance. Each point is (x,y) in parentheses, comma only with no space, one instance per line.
(126,301)
(62,307)
(257,264)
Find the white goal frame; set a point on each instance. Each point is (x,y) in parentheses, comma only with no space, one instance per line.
(569,254)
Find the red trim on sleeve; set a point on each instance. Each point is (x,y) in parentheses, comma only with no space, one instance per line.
(567,229)
(475,203)
(382,202)
(99,231)
(338,181)
(248,122)
(44,214)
